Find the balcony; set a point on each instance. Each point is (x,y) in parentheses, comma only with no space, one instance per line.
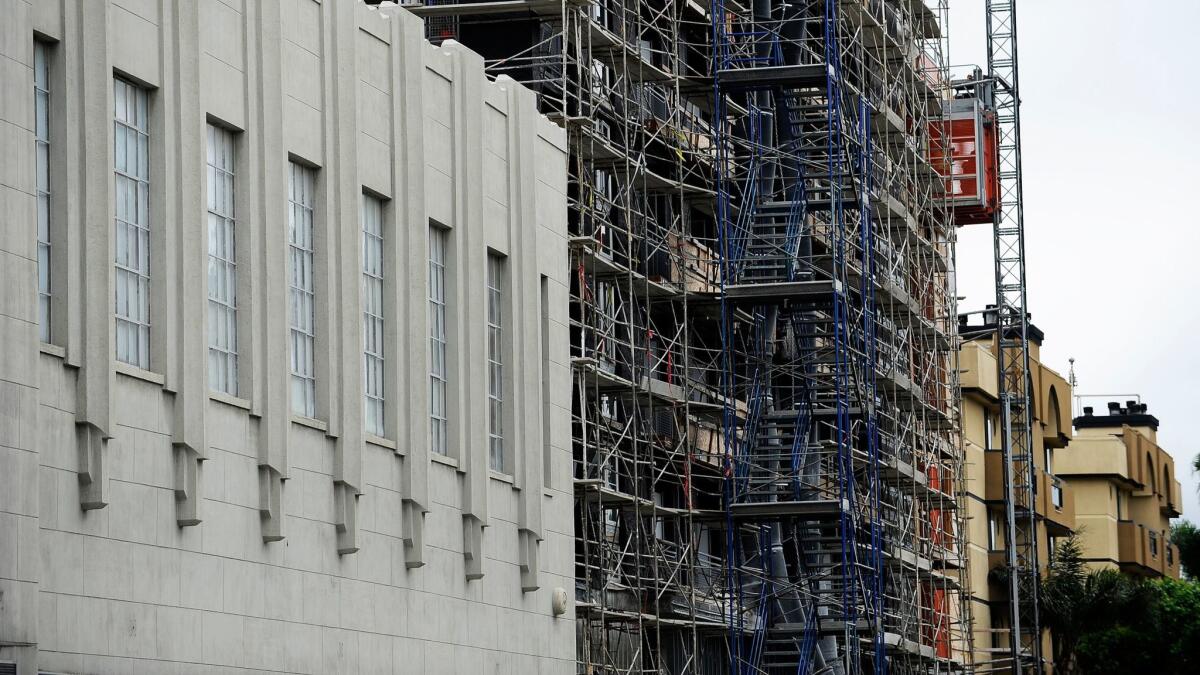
(1098,455)
(1146,552)
(1131,546)
(977,368)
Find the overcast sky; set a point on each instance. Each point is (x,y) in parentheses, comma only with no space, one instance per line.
(1111,145)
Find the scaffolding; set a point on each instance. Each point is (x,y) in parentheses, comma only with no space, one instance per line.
(765,394)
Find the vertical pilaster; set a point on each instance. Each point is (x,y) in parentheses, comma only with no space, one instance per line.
(93,210)
(469,307)
(19,452)
(408,148)
(345,197)
(526,311)
(191,325)
(271,268)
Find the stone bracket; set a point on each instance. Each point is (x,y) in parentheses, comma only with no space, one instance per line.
(345,499)
(92,446)
(414,537)
(473,546)
(528,544)
(270,503)
(187,486)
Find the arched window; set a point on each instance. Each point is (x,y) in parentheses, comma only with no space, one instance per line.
(1053,415)
(1150,472)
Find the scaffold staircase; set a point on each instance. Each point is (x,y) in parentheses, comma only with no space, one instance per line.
(803,546)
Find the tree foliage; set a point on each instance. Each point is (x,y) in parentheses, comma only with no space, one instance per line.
(1186,536)
(1105,622)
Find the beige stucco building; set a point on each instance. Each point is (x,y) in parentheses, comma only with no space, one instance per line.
(1101,477)
(1125,490)
(284,384)
(1054,499)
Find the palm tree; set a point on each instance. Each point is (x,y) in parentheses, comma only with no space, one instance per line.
(1064,599)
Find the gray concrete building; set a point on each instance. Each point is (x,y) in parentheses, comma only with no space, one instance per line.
(284,380)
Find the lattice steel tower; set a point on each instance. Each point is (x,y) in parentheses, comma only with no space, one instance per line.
(1012,326)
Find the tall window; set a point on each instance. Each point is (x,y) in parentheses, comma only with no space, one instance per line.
(222,265)
(132,182)
(41,103)
(437,341)
(495,372)
(301,289)
(372,290)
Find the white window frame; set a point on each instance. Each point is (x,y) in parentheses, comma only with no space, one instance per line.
(302,288)
(438,343)
(373,315)
(41,126)
(494,298)
(222,263)
(131,151)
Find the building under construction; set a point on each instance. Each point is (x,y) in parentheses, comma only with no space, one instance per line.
(765,396)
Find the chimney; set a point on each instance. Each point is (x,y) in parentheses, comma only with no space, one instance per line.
(991,316)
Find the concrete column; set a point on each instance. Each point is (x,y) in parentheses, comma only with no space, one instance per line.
(271,266)
(469,306)
(345,198)
(19,458)
(188,219)
(95,215)
(526,312)
(408,148)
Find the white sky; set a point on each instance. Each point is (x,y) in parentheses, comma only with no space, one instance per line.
(1111,148)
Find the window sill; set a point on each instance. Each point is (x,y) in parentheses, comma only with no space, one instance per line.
(229,400)
(53,350)
(502,477)
(310,422)
(443,459)
(381,442)
(140,373)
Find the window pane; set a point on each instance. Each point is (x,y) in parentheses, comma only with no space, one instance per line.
(302,290)
(41,96)
(495,371)
(222,263)
(437,341)
(132,226)
(372,291)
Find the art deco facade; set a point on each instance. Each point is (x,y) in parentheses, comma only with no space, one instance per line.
(284,381)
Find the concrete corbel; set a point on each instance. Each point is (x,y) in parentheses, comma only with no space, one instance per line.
(92,444)
(270,503)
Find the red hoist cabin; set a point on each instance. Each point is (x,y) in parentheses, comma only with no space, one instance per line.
(971,164)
